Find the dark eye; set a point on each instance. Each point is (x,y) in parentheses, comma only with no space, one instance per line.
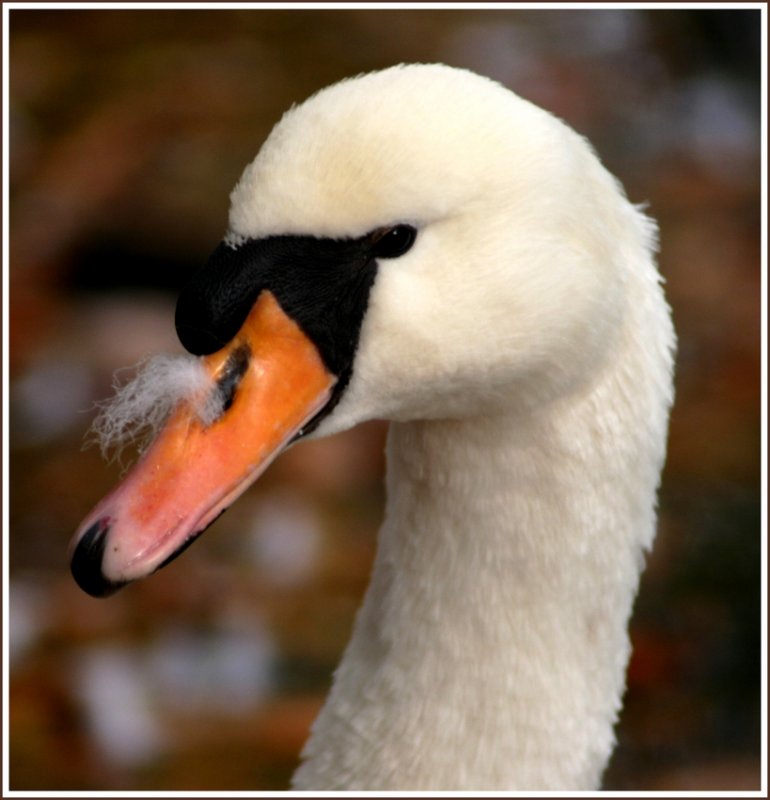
(394,242)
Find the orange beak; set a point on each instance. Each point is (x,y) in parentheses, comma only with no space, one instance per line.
(274,382)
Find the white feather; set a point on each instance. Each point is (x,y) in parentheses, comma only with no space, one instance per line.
(142,404)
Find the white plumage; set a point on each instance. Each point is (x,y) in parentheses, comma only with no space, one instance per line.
(523,349)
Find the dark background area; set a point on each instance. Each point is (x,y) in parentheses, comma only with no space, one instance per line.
(128,130)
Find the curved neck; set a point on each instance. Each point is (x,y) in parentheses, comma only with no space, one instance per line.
(490,651)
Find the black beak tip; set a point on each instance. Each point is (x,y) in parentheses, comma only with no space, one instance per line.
(86,562)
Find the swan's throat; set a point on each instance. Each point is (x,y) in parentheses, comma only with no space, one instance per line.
(491,648)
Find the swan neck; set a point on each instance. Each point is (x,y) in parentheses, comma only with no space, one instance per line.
(496,615)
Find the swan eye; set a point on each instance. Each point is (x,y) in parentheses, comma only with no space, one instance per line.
(394,242)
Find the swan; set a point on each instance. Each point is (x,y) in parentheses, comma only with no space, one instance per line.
(419,244)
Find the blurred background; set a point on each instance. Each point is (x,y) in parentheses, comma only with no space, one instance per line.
(128,129)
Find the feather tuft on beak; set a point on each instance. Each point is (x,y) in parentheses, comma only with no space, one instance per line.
(142,404)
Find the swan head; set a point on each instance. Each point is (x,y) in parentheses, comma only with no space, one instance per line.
(438,246)
(514,282)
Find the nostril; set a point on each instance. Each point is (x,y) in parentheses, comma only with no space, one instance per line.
(86,563)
